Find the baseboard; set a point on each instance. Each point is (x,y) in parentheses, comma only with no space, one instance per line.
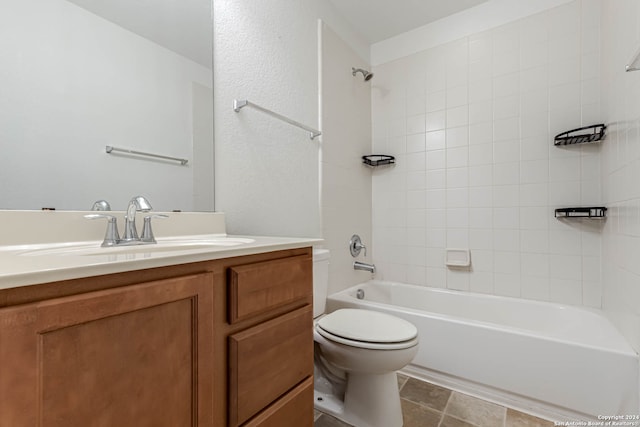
(510,400)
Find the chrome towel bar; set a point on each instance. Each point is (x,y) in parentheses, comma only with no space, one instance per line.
(238,104)
(110,149)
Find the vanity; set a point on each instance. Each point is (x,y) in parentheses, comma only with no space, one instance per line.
(202,330)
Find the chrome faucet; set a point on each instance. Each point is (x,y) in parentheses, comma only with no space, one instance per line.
(101,205)
(136,204)
(355,246)
(112,237)
(147,232)
(371,268)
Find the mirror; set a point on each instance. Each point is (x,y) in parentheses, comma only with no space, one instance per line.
(77,76)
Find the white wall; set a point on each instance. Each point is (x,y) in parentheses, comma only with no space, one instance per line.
(72,83)
(471,123)
(346,182)
(621,166)
(483,17)
(267,172)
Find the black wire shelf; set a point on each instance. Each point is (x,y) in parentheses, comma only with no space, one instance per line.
(581,135)
(378,160)
(598,212)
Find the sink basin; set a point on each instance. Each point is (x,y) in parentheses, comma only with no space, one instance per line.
(163,245)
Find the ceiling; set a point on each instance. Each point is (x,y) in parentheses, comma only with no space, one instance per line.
(184,26)
(377,20)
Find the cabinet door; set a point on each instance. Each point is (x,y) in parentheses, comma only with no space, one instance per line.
(137,355)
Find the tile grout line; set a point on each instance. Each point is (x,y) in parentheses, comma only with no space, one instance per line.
(444,410)
(504,419)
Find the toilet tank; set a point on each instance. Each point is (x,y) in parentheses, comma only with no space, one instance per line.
(320,280)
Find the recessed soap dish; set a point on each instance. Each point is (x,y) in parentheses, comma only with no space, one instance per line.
(458,257)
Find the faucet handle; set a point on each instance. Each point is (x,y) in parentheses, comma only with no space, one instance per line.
(147,232)
(355,246)
(101,205)
(111,237)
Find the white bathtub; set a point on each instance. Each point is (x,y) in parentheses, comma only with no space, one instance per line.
(556,361)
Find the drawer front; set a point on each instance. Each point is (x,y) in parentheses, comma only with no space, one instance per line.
(260,287)
(295,409)
(268,360)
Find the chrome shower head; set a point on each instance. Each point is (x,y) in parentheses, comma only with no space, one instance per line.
(366,74)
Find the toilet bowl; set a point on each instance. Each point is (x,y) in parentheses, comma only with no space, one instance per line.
(357,354)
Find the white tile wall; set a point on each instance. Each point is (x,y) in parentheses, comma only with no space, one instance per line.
(471,123)
(346,182)
(620,168)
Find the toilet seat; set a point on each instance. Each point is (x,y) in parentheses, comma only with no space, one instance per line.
(367,329)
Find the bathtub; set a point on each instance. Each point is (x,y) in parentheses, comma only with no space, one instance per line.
(555,361)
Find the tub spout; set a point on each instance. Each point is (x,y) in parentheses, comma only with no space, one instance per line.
(371,268)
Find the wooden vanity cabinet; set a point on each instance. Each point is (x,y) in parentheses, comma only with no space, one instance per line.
(132,355)
(269,334)
(218,343)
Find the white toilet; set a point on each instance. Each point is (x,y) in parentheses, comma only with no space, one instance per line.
(356,355)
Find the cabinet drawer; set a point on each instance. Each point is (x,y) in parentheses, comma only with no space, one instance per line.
(295,409)
(268,360)
(260,287)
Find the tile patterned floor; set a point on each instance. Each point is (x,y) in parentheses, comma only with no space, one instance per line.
(428,405)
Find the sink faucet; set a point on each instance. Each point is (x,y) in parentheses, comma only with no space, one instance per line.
(101,205)
(136,204)
(112,237)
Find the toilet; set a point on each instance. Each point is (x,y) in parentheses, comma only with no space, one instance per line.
(357,353)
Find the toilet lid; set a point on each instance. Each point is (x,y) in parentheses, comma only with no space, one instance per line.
(369,326)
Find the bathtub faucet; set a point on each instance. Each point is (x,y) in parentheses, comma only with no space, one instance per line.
(371,268)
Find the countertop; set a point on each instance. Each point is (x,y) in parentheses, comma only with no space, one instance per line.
(33,245)
(23,265)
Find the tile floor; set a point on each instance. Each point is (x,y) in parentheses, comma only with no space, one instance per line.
(428,405)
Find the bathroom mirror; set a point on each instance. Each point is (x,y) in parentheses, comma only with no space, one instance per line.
(77,76)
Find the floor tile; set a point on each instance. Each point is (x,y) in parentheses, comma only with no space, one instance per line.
(426,394)
(449,421)
(329,421)
(475,411)
(519,419)
(415,415)
(428,405)
(402,379)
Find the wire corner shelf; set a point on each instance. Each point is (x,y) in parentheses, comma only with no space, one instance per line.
(597,212)
(581,135)
(374,160)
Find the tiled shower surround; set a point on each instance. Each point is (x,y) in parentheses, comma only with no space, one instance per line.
(621,167)
(471,123)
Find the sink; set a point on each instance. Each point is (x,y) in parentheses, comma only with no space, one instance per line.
(163,245)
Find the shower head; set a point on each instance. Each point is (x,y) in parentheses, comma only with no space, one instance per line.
(366,74)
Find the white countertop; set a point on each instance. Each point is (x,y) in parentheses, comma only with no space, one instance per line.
(22,265)
(33,246)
